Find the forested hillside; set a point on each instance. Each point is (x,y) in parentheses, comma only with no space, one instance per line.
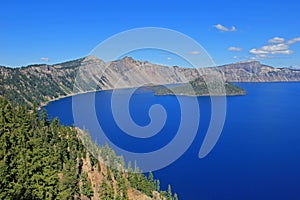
(40,159)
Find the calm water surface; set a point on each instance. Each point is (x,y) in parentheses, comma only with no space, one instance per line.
(257,156)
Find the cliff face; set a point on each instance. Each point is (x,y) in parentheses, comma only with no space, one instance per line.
(40,83)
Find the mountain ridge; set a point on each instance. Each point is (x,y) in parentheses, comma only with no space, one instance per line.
(41,83)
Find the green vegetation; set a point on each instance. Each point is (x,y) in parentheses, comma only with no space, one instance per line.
(198,87)
(36,84)
(40,159)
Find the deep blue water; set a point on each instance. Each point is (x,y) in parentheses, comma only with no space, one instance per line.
(256,157)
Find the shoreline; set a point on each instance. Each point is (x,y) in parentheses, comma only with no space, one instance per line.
(204,95)
(61,97)
(43,104)
(227,95)
(80,93)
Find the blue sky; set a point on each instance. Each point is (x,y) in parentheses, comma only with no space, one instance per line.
(231,31)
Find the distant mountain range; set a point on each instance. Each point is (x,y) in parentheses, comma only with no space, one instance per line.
(41,83)
(254,71)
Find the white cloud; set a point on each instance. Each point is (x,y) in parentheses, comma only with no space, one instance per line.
(44,59)
(294,40)
(235,57)
(258,51)
(234,49)
(233,28)
(275,47)
(194,52)
(222,28)
(169,58)
(263,56)
(272,49)
(276,40)
(286,52)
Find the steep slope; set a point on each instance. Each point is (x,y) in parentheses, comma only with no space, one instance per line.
(40,159)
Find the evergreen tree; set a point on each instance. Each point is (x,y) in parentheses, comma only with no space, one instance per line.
(169,197)
(157,185)
(151,181)
(175,197)
(87,189)
(106,191)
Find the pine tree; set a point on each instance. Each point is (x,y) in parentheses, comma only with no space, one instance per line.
(175,197)
(87,189)
(129,168)
(169,197)
(157,185)
(151,181)
(106,191)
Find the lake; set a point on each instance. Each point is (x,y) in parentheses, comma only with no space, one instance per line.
(257,155)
